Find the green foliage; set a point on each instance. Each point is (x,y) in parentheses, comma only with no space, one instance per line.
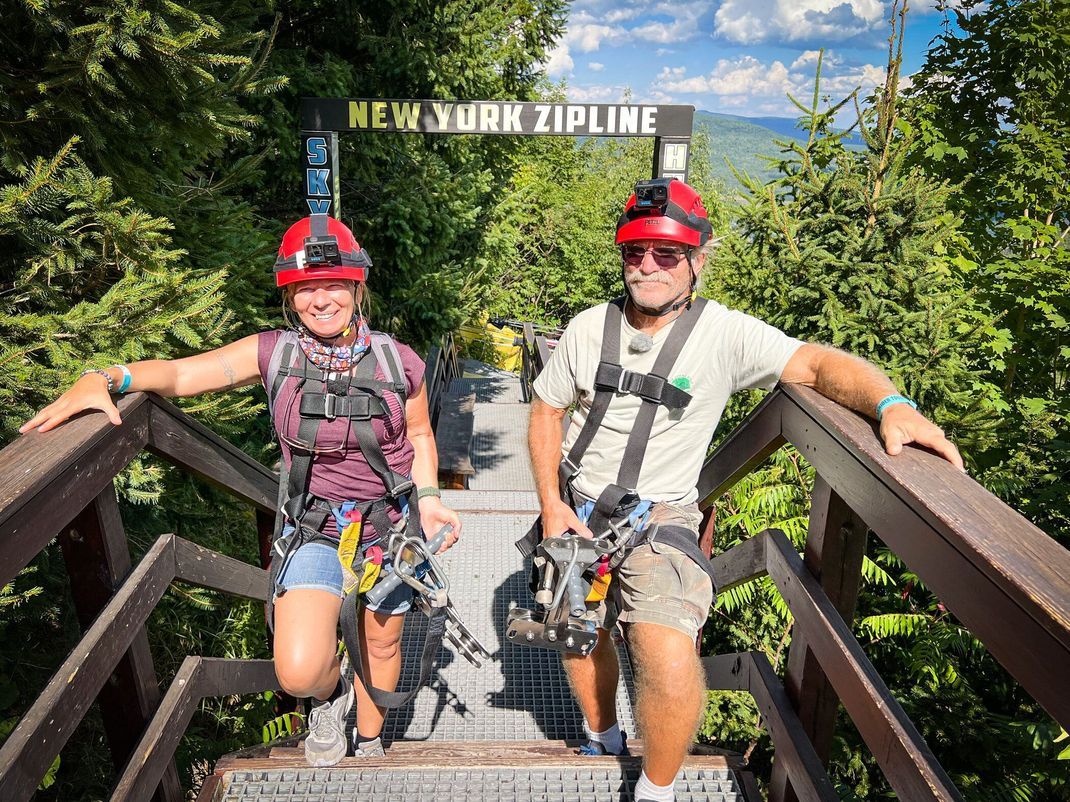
(991,107)
(550,247)
(865,250)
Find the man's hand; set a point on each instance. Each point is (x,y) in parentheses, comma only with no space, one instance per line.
(902,424)
(558,518)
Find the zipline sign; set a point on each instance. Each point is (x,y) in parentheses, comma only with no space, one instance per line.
(322,119)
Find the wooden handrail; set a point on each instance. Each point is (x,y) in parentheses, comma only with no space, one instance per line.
(198,678)
(1005,579)
(46,479)
(50,721)
(62,480)
(751,672)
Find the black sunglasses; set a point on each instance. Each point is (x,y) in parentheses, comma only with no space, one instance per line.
(664,256)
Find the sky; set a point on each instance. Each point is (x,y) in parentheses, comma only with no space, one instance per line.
(731,56)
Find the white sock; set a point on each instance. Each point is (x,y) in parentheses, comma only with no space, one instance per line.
(646,790)
(611,739)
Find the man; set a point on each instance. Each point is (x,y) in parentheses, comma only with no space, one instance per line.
(636,436)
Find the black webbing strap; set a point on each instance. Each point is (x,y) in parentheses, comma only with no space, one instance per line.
(685,540)
(394,483)
(349,618)
(570,465)
(648,386)
(635,450)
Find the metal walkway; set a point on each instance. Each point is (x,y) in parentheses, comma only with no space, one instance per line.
(504,732)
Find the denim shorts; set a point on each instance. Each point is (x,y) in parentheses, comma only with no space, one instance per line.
(315,566)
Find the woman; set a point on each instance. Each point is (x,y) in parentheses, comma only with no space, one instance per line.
(350,410)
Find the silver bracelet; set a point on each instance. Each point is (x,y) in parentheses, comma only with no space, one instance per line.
(104,373)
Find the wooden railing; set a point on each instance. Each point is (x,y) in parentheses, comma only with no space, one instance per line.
(535,353)
(62,482)
(1005,580)
(441,368)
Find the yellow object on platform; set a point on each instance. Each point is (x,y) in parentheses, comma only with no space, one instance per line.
(497,344)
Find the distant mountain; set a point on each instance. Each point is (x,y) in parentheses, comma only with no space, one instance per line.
(745,140)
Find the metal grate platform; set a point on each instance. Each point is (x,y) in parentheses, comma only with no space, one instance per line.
(498,390)
(499,448)
(499,501)
(523,693)
(547,784)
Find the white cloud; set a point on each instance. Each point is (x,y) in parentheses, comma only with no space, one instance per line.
(559,61)
(742,76)
(621,14)
(595,66)
(754,21)
(762,88)
(587,33)
(591,26)
(808,57)
(664,51)
(598,93)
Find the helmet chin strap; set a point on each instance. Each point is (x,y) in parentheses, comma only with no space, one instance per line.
(332,337)
(685,299)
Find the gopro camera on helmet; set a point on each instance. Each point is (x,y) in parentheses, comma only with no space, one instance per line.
(653,193)
(322,251)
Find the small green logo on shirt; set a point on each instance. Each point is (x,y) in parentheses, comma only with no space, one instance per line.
(681,383)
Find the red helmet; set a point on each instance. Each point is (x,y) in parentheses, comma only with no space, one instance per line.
(664,208)
(320,247)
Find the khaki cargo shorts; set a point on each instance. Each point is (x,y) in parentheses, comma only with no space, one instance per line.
(657,584)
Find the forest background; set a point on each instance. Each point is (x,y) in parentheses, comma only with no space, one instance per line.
(148,165)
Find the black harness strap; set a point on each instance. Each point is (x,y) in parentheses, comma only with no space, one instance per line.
(349,618)
(570,465)
(611,498)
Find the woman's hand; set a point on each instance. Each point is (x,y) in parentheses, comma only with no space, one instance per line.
(434,515)
(89,392)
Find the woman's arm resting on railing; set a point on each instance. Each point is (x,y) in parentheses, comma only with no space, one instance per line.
(853,382)
(233,365)
(433,513)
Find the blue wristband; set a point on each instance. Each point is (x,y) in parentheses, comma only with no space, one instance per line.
(127,378)
(890,400)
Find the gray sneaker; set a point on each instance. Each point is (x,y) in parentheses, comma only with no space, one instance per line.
(326,741)
(372,748)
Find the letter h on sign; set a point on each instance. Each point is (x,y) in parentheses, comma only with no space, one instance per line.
(319,157)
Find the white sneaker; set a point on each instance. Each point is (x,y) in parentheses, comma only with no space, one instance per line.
(373,748)
(326,742)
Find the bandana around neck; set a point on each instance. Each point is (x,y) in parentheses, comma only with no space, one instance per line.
(335,358)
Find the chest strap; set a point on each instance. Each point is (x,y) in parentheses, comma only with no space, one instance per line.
(656,392)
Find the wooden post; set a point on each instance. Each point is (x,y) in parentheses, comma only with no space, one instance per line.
(835,545)
(98,560)
(707,532)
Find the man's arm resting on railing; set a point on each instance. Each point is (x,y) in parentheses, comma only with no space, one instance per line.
(853,382)
(544,443)
(233,365)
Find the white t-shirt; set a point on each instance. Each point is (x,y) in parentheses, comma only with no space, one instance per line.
(727,351)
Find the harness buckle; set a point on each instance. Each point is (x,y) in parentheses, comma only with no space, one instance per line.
(330,402)
(652,387)
(401,488)
(567,471)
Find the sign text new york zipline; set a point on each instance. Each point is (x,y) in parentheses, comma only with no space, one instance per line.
(322,119)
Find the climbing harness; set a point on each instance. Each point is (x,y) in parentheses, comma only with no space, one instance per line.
(359,398)
(568,571)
